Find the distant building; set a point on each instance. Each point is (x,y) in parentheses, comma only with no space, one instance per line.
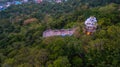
(25,1)
(90,25)
(17,2)
(62,32)
(58,1)
(8,4)
(1,8)
(38,1)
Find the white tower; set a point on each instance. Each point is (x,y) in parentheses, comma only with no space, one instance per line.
(90,25)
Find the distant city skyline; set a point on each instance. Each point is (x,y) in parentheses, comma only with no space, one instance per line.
(7,3)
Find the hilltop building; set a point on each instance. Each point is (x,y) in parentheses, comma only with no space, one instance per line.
(90,25)
(58,1)
(25,1)
(38,1)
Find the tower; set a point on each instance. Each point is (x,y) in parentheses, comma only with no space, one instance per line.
(90,25)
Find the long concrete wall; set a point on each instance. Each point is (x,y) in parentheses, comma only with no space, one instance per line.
(61,32)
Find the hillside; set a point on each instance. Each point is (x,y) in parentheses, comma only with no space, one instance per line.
(22,27)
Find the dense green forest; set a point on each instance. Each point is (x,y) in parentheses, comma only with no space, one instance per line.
(22,44)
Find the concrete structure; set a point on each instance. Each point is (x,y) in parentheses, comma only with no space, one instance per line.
(62,32)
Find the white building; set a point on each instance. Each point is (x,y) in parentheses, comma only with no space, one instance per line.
(90,21)
(91,24)
(58,1)
(25,1)
(1,7)
(8,4)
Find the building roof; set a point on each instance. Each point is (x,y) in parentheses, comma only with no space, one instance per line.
(91,21)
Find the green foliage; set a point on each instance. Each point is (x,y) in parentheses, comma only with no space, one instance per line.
(9,63)
(22,45)
(77,62)
(107,9)
(61,62)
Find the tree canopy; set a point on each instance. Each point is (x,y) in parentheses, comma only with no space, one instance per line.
(22,26)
